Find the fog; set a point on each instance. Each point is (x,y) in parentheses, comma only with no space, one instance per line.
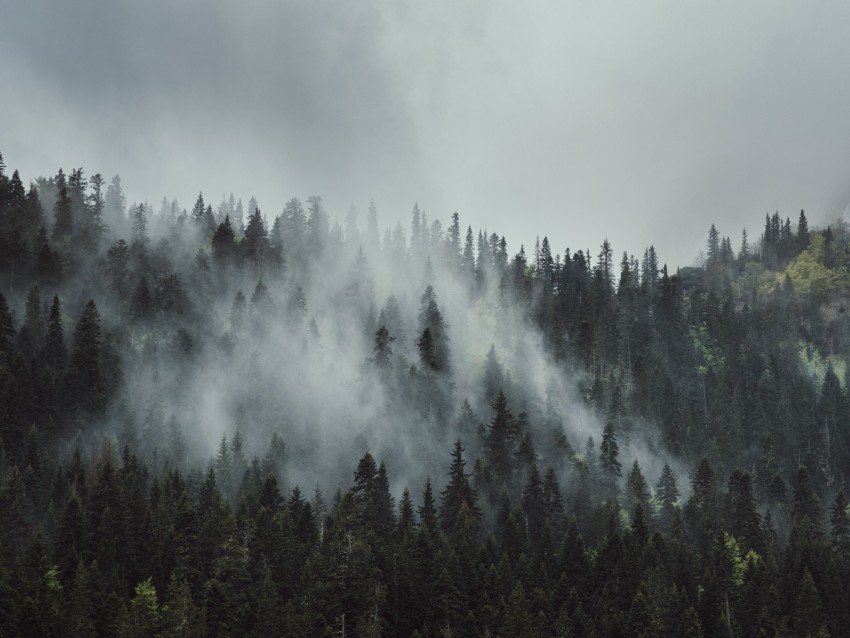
(644,124)
(297,358)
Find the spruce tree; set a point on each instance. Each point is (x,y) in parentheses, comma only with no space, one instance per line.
(406,517)
(500,439)
(383,351)
(7,331)
(802,232)
(255,244)
(609,462)
(54,345)
(85,377)
(637,490)
(63,217)
(224,244)
(428,510)
(839,520)
(33,328)
(458,494)
(667,494)
(199,209)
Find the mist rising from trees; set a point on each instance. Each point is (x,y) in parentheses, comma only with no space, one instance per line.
(309,394)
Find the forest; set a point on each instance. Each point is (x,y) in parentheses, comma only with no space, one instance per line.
(226,421)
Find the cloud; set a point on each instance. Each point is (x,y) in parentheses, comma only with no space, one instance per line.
(641,123)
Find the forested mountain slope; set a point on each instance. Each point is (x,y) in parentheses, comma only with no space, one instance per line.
(224,421)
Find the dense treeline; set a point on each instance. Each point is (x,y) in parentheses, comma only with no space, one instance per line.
(544,445)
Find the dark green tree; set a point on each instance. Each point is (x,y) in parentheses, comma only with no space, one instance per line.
(85,376)
(224,247)
(611,470)
(667,494)
(7,331)
(637,490)
(428,510)
(63,216)
(255,244)
(458,494)
(839,519)
(500,440)
(54,345)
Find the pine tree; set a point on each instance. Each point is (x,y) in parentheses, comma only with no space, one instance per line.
(383,506)
(802,232)
(609,462)
(48,267)
(436,345)
(839,520)
(745,522)
(85,376)
(199,209)
(141,303)
(534,506)
(406,517)
(180,615)
(553,500)
(809,618)
(744,250)
(383,351)
(140,226)
(458,494)
(637,490)
(224,244)
(118,258)
(63,217)
(255,244)
(77,193)
(806,514)
(7,331)
(95,227)
(115,205)
(428,511)
(54,345)
(500,439)
(468,258)
(713,244)
(317,225)
(31,336)
(223,465)
(261,306)
(667,494)
(427,354)
(494,379)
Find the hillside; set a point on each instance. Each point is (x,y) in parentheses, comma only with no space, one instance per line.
(221,420)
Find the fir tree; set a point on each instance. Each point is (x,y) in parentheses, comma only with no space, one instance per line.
(609,462)
(63,216)
(667,494)
(428,511)
(458,494)
(85,375)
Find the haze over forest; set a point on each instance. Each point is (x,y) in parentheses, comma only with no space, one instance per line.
(642,124)
(424,319)
(222,421)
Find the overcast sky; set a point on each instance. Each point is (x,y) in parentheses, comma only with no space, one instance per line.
(643,122)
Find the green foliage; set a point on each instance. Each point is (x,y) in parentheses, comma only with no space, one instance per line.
(816,364)
(709,353)
(812,278)
(141,617)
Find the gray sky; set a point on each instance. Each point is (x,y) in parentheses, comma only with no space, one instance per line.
(643,122)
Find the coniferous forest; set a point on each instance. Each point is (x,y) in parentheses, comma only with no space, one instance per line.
(222,420)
